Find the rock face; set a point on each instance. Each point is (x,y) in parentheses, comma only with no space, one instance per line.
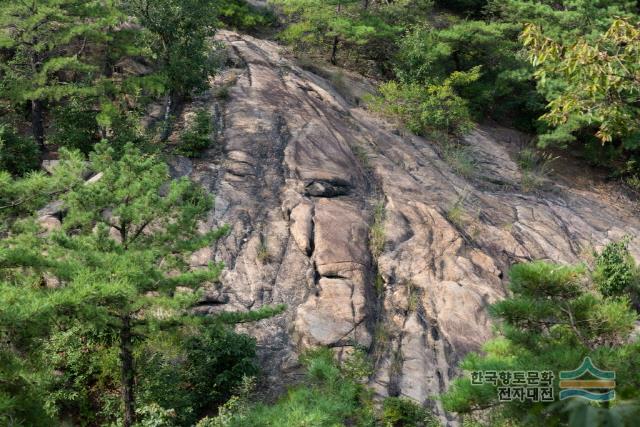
(300,175)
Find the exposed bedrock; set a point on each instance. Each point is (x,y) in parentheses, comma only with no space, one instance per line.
(299,175)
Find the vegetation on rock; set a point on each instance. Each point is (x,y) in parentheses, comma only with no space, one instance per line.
(99,299)
(553,320)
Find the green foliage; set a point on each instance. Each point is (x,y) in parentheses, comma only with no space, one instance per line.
(46,58)
(181,375)
(633,182)
(235,409)
(330,396)
(18,155)
(599,79)
(463,6)
(43,37)
(85,381)
(376,231)
(103,280)
(616,273)
(210,363)
(551,322)
(504,90)
(154,415)
(534,167)
(20,392)
(180,31)
(428,109)
(565,19)
(368,29)
(197,137)
(19,197)
(76,126)
(401,412)
(333,394)
(118,267)
(79,125)
(240,15)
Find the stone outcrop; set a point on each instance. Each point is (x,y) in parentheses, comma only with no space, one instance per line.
(297,174)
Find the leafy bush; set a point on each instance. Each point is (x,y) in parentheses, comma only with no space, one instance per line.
(333,394)
(240,15)
(21,400)
(86,387)
(633,182)
(602,93)
(401,412)
(505,91)
(75,126)
(616,273)
(428,109)
(80,125)
(465,6)
(329,397)
(18,155)
(197,137)
(210,364)
(181,376)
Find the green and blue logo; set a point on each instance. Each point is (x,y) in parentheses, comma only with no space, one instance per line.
(599,385)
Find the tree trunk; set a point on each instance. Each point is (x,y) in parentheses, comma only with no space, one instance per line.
(166,119)
(336,40)
(127,372)
(37,124)
(334,50)
(37,109)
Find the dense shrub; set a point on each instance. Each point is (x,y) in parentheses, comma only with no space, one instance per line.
(240,15)
(428,109)
(85,387)
(616,273)
(75,126)
(401,412)
(333,394)
(182,377)
(329,397)
(80,125)
(192,382)
(473,7)
(18,154)
(504,90)
(197,136)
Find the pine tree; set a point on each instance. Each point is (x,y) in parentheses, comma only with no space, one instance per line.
(330,25)
(48,42)
(118,262)
(553,320)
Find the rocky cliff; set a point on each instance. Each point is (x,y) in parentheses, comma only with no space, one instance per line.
(366,234)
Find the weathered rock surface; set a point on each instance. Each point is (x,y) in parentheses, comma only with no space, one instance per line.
(300,172)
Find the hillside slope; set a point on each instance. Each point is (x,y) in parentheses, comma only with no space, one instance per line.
(304,176)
